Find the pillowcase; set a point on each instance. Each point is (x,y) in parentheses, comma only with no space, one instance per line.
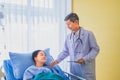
(8,70)
(21,61)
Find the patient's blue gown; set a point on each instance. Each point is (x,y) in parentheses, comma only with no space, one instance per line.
(31,71)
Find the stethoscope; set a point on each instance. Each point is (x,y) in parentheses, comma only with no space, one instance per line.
(80,40)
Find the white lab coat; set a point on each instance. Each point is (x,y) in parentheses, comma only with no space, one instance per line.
(85,48)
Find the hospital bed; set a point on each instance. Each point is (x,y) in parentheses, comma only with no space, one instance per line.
(16,65)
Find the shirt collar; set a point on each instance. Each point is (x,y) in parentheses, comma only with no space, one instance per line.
(77,33)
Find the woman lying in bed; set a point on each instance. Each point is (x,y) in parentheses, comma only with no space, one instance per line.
(39,70)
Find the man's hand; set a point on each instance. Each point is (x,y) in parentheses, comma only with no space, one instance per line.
(53,63)
(81,60)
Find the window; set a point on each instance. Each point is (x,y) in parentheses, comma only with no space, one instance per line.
(33,24)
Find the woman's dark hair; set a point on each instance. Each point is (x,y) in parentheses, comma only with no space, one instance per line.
(72,17)
(34,54)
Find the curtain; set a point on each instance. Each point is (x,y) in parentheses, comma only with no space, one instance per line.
(29,25)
